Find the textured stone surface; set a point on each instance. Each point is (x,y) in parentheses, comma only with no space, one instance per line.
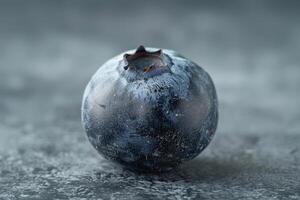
(49,50)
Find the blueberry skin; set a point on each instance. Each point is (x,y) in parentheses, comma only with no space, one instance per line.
(150,122)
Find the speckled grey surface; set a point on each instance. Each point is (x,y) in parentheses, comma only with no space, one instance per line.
(49,50)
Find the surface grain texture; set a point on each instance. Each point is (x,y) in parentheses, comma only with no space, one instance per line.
(49,50)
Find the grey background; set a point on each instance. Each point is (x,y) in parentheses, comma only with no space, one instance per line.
(50,49)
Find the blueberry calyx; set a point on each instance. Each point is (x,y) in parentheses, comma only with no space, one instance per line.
(145,61)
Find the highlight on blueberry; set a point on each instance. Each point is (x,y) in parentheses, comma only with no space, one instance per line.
(150,109)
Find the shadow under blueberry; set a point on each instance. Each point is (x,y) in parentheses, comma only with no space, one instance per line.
(183,179)
(203,170)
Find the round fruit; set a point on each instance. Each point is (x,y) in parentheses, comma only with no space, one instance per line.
(150,109)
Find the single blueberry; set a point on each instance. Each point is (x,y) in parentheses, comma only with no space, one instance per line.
(150,109)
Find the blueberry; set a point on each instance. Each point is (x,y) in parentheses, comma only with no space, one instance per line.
(150,109)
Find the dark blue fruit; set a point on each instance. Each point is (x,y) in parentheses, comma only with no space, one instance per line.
(150,110)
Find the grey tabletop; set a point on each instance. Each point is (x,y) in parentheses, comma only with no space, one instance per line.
(50,49)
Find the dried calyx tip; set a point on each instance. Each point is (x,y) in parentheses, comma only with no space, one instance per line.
(141,48)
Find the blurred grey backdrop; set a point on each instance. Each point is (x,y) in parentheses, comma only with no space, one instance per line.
(50,49)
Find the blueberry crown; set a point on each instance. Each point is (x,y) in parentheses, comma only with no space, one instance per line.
(143,60)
